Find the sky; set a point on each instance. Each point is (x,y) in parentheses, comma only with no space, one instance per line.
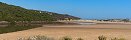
(86,9)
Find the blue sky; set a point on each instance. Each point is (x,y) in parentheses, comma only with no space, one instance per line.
(88,9)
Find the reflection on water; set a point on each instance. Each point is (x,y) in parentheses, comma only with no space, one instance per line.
(86,23)
(3,25)
(8,25)
(6,28)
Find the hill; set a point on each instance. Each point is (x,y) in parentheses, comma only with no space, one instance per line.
(16,13)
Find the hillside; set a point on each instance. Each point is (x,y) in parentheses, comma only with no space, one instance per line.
(16,13)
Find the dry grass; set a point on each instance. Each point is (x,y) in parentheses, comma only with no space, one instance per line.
(39,37)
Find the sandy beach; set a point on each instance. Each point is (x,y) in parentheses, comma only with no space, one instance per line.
(87,32)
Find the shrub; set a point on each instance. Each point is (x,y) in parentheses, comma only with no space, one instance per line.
(66,38)
(37,38)
(80,39)
(118,39)
(102,38)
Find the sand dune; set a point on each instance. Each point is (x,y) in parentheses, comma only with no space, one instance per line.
(87,32)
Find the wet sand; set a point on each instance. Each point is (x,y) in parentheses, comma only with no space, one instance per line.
(87,32)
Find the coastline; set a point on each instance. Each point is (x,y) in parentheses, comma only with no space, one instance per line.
(92,22)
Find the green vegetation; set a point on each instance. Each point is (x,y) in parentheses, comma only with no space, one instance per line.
(18,15)
(116,20)
(14,14)
(126,20)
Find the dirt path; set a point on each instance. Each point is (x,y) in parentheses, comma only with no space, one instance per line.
(87,32)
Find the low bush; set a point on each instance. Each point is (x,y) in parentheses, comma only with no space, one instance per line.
(36,38)
(66,38)
(102,38)
(118,39)
(80,39)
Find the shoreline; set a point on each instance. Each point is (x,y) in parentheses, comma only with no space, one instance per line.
(92,22)
(87,32)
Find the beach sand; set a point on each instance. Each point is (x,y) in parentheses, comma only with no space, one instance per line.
(87,32)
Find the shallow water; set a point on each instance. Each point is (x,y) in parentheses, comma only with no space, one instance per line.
(7,28)
(84,23)
(7,25)
(3,25)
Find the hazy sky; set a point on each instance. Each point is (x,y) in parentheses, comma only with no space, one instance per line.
(81,8)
